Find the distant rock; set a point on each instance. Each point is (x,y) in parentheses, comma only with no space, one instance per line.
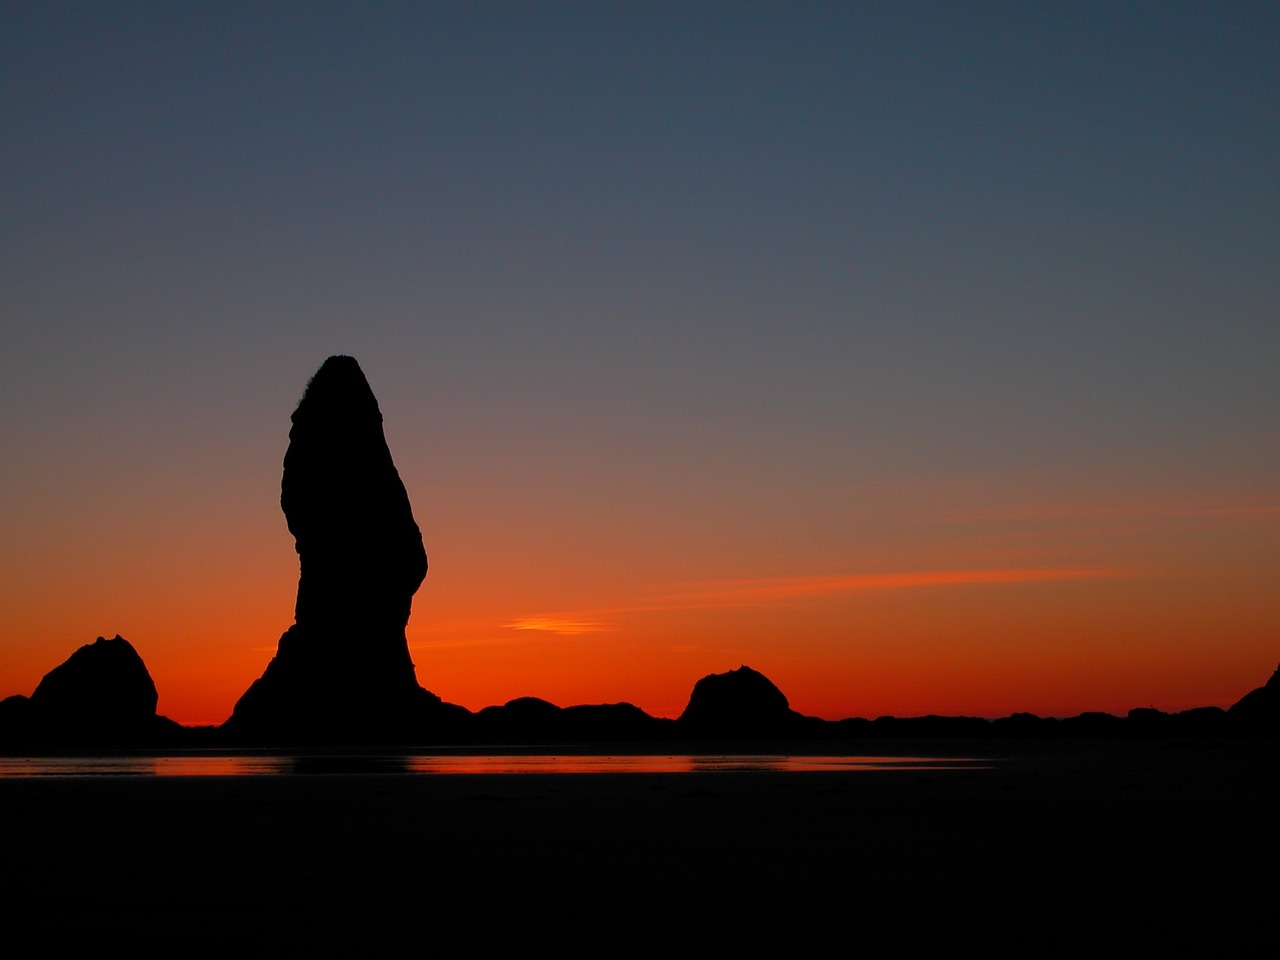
(1259,710)
(103,682)
(101,695)
(529,720)
(1093,723)
(16,722)
(930,726)
(1201,721)
(342,671)
(743,704)
(523,720)
(1196,722)
(615,722)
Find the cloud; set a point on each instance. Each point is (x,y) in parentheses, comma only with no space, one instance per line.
(741,593)
(562,626)
(724,594)
(748,592)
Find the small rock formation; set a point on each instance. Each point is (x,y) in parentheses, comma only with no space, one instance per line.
(104,682)
(523,720)
(533,720)
(615,722)
(741,704)
(1258,711)
(342,671)
(101,695)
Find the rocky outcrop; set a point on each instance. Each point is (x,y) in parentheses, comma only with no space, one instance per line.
(101,695)
(102,682)
(343,670)
(528,720)
(739,704)
(1258,711)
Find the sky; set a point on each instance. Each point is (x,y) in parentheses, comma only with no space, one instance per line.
(922,356)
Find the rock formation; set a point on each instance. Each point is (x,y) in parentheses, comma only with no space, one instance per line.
(102,682)
(343,670)
(741,704)
(1258,711)
(533,720)
(101,695)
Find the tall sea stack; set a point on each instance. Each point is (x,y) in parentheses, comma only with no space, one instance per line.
(342,672)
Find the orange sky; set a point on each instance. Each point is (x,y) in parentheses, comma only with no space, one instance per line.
(1055,610)
(923,363)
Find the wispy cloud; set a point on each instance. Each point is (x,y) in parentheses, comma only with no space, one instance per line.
(562,626)
(747,592)
(730,593)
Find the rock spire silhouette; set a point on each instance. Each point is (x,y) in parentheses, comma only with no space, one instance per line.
(343,669)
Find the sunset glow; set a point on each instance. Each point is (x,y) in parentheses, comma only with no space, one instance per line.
(925,364)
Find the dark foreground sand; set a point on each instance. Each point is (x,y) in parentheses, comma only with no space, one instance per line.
(1062,849)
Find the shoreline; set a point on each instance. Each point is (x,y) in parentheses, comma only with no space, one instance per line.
(1045,849)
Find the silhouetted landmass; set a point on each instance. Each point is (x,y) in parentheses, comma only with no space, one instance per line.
(103,697)
(342,673)
(1260,709)
(740,703)
(102,694)
(530,720)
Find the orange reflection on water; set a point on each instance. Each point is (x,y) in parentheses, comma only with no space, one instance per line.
(144,766)
(233,765)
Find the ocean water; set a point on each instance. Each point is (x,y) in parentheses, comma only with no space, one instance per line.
(219,764)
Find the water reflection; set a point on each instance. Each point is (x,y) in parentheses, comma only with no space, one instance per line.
(238,765)
(348,765)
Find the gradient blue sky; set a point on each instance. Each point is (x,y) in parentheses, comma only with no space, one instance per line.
(653,295)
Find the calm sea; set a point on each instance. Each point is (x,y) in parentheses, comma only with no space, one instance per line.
(258,765)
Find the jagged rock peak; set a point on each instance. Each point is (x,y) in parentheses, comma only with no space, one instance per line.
(103,682)
(742,696)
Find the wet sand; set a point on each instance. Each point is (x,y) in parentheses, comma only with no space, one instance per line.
(1056,849)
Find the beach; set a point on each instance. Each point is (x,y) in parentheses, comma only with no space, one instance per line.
(1045,849)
